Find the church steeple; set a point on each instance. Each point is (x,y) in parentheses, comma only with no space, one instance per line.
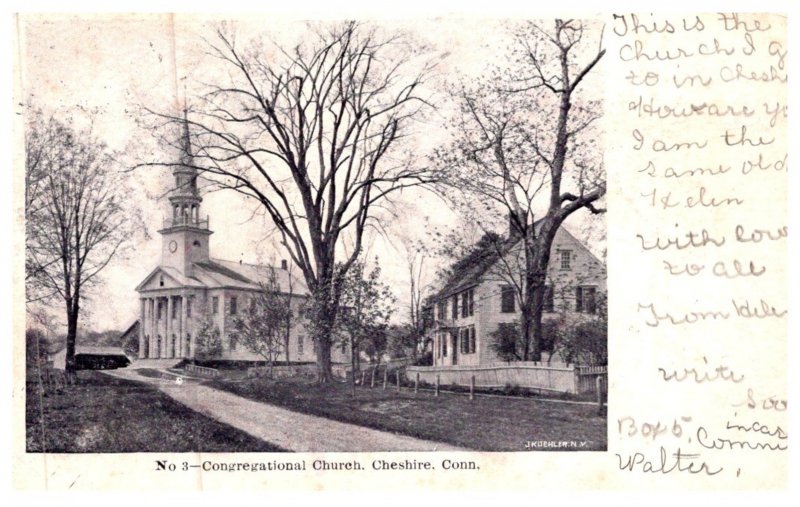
(185,232)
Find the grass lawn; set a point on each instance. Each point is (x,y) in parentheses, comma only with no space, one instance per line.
(485,424)
(107,414)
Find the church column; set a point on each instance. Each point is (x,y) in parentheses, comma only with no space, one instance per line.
(179,352)
(153,328)
(141,328)
(169,331)
(149,329)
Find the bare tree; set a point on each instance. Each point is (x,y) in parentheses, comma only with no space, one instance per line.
(367,306)
(524,141)
(76,219)
(41,155)
(312,133)
(264,327)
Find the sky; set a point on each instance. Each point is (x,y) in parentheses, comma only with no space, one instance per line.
(115,64)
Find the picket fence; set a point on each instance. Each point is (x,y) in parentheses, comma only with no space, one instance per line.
(563,378)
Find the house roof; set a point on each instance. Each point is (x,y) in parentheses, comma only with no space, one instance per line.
(470,268)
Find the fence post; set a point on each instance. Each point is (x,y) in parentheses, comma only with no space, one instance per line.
(363,373)
(397,374)
(472,387)
(372,379)
(385,376)
(436,391)
(598,385)
(416,384)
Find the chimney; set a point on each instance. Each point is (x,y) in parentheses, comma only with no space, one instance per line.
(284,265)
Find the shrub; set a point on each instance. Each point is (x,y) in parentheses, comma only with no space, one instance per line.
(426,359)
(505,342)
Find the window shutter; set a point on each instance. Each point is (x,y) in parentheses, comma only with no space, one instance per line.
(472,346)
(472,302)
(579,299)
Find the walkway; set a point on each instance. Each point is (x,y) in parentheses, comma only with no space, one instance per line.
(289,430)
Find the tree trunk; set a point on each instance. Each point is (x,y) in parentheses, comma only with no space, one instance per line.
(537,308)
(286,344)
(537,261)
(322,349)
(72,332)
(353,368)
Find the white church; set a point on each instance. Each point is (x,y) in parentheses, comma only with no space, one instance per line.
(189,287)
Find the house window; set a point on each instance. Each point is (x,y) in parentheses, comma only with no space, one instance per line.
(455,307)
(548,298)
(215,305)
(441,310)
(344,347)
(467,337)
(300,344)
(586,300)
(444,337)
(507,299)
(233,305)
(566,255)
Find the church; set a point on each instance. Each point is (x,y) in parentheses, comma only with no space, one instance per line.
(189,289)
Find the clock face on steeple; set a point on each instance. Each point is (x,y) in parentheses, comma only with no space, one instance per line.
(173,246)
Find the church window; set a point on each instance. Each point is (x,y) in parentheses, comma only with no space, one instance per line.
(189,306)
(174,310)
(161,281)
(158,310)
(215,305)
(233,343)
(344,347)
(196,243)
(188,344)
(234,307)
